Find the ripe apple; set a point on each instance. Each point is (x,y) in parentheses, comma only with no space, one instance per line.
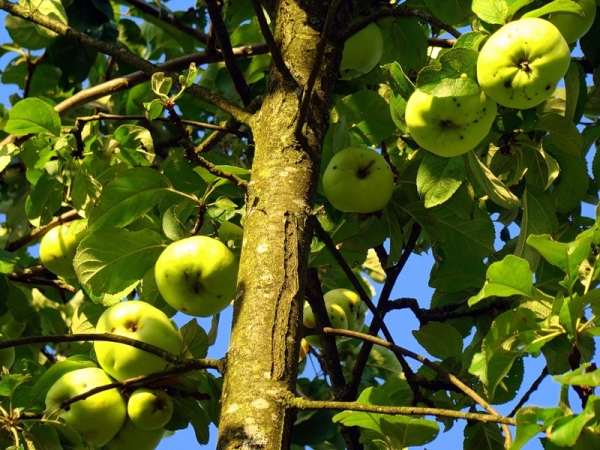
(58,247)
(520,65)
(358,179)
(99,417)
(449,126)
(7,355)
(197,275)
(131,437)
(362,51)
(573,26)
(141,321)
(150,409)
(337,318)
(352,305)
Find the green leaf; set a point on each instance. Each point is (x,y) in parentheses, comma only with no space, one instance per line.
(576,93)
(471,40)
(30,35)
(193,412)
(441,340)
(510,276)
(398,80)
(491,185)
(439,178)
(483,436)
(32,116)
(128,196)
(111,260)
(555,6)
(42,437)
(153,109)
(406,44)
(195,340)
(512,334)
(44,200)
(456,77)
(450,11)
(491,11)
(137,146)
(563,132)
(532,420)
(566,430)
(368,116)
(585,375)
(397,431)
(161,84)
(542,169)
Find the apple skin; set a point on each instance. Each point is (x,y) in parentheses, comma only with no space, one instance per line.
(358,179)
(573,26)
(58,247)
(352,305)
(449,126)
(362,51)
(337,318)
(99,417)
(7,355)
(131,437)
(137,320)
(520,65)
(150,409)
(197,275)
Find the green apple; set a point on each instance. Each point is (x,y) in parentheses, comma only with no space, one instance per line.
(572,25)
(358,179)
(337,318)
(362,51)
(99,417)
(352,305)
(520,65)
(449,126)
(58,247)
(138,320)
(131,437)
(150,409)
(7,355)
(197,275)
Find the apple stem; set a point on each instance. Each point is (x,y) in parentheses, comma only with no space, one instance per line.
(363,172)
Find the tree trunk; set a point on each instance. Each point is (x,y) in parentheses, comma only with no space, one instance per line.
(263,355)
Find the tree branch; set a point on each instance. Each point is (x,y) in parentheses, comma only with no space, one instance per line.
(168,18)
(37,232)
(303,404)
(534,387)
(222,36)
(123,54)
(273,49)
(452,378)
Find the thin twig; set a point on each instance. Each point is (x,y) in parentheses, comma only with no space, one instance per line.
(317,65)
(222,36)
(534,387)
(123,54)
(36,233)
(273,48)
(303,404)
(168,18)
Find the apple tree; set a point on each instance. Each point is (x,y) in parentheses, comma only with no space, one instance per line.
(289,158)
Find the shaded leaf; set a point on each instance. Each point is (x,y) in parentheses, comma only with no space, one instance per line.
(439,178)
(30,116)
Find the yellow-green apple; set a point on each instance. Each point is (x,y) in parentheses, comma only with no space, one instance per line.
(362,51)
(58,247)
(449,126)
(131,437)
(7,355)
(197,275)
(358,179)
(150,409)
(520,65)
(138,320)
(100,416)
(337,319)
(573,25)
(352,305)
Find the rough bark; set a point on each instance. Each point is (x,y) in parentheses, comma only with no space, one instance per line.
(262,359)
